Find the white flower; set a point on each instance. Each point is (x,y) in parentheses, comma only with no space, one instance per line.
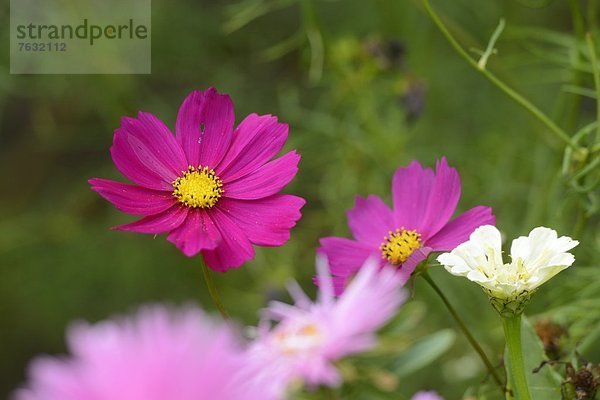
(534,260)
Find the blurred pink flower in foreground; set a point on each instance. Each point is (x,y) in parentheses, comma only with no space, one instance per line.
(431,395)
(157,355)
(310,336)
(418,224)
(213,188)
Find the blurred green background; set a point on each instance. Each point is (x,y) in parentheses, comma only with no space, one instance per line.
(366,86)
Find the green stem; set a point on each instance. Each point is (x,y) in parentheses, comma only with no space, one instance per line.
(596,72)
(465,330)
(536,112)
(512,333)
(591,12)
(212,289)
(315,40)
(573,100)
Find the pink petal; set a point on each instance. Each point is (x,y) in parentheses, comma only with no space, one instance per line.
(460,228)
(255,141)
(198,232)
(159,223)
(146,152)
(443,199)
(408,267)
(128,163)
(234,248)
(346,256)
(267,221)
(338,283)
(410,188)
(204,127)
(266,180)
(133,199)
(370,220)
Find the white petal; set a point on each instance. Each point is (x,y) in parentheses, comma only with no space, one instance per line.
(541,241)
(454,264)
(544,246)
(544,275)
(487,235)
(506,290)
(477,276)
(472,254)
(562,259)
(564,244)
(488,238)
(541,236)
(520,248)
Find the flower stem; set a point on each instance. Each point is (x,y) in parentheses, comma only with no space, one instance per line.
(512,333)
(465,331)
(596,72)
(536,112)
(212,289)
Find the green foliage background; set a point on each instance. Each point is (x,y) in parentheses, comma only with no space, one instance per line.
(59,261)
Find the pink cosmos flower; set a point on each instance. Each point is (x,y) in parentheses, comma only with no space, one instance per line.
(430,395)
(156,355)
(212,188)
(418,224)
(311,336)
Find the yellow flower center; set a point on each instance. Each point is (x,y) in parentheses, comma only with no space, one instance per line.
(399,245)
(198,187)
(300,339)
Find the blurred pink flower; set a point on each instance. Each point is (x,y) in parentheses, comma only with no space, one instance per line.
(431,395)
(419,223)
(310,336)
(158,354)
(212,188)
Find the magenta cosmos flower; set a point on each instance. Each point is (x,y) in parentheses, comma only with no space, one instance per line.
(212,188)
(311,336)
(158,354)
(418,224)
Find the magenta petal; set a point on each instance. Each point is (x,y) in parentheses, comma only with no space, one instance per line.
(339,283)
(133,199)
(146,152)
(410,189)
(159,223)
(257,139)
(409,265)
(266,180)
(234,248)
(460,228)
(370,220)
(346,256)
(267,221)
(198,232)
(129,164)
(204,127)
(443,198)
(151,138)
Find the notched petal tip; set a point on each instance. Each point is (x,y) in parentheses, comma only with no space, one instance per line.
(94,182)
(485,232)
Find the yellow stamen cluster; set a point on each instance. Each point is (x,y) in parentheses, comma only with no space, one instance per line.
(299,340)
(399,245)
(198,187)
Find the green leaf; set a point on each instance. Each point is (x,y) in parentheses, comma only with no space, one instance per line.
(424,352)
(545,384)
